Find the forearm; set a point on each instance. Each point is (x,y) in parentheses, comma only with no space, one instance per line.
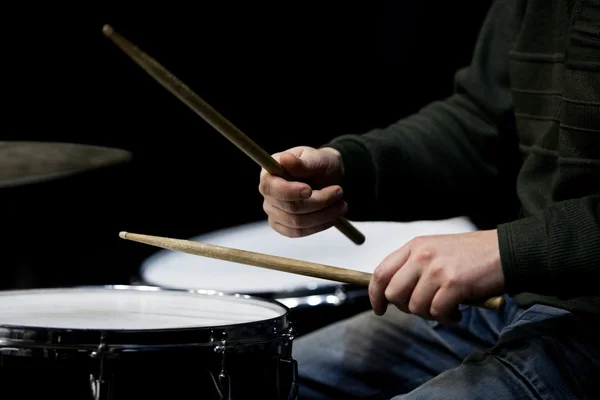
(435,163)
(556,253)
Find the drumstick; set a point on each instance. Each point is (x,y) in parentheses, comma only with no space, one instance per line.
(273,262)
(215,119)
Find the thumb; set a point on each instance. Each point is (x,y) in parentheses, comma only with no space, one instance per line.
(308,165)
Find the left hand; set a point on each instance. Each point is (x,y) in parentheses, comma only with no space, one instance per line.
(431,275)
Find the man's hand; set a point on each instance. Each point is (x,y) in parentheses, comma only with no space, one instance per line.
(297,209)
(431,275)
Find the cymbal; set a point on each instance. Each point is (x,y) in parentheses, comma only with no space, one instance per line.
(29,162)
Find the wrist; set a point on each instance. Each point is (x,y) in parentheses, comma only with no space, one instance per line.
(496,259)
(358,176)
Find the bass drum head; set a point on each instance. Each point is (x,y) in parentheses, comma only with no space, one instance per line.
(185,271)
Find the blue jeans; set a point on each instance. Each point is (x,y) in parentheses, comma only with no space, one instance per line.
(535,353)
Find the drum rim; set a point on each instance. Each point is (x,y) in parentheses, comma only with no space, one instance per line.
(140,339)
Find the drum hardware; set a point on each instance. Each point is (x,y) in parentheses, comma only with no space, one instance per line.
(127,333)
(340,296)
(222,384)
(215,119)
(100,385)
(291,366)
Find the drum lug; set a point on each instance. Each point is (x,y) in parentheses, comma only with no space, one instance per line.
(287,378)
(290,335)
(341,295)
(223,384)
(99,383)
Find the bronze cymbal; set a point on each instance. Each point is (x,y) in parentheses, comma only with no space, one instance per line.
(23,162)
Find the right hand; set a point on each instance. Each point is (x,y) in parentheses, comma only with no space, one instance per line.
(296,209)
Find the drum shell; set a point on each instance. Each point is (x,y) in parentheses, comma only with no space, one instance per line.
(265,371)
(248,361)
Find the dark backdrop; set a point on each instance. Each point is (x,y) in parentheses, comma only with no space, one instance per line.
(286,73)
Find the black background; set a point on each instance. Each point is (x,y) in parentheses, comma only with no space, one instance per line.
(286,73)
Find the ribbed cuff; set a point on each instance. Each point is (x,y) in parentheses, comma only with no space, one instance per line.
(524,253)
(360,179)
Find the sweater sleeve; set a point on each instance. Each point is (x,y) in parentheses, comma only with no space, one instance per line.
(556,253)
(440,161)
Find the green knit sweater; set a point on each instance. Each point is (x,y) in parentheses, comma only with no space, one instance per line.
(527,111)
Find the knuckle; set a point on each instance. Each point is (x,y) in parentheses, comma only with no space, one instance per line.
(393,296)
(282,230)
(379,274)
(437,271)
(390,295)
(295,221)
(416,242)
(451,280)
(423,255)
(436,312)
(276,227)
(296,232)
(292,206)
(287,232)
(419,243)
(263,187)
(415,307)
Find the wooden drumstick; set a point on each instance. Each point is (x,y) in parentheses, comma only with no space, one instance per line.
(215,119)
(273,262)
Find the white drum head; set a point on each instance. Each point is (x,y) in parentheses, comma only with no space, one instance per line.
(120,309)
(184,271)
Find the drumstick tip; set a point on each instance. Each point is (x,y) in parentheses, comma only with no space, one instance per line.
(123,235)
(107,30)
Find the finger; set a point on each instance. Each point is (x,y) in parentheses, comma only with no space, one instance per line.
(298,232)
(320,199)
(400,288)
(422,297)
(382,276)
(281,189)
(308,220)
(445,306)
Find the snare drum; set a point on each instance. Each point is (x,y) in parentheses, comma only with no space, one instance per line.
(313,302)
(125,342)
